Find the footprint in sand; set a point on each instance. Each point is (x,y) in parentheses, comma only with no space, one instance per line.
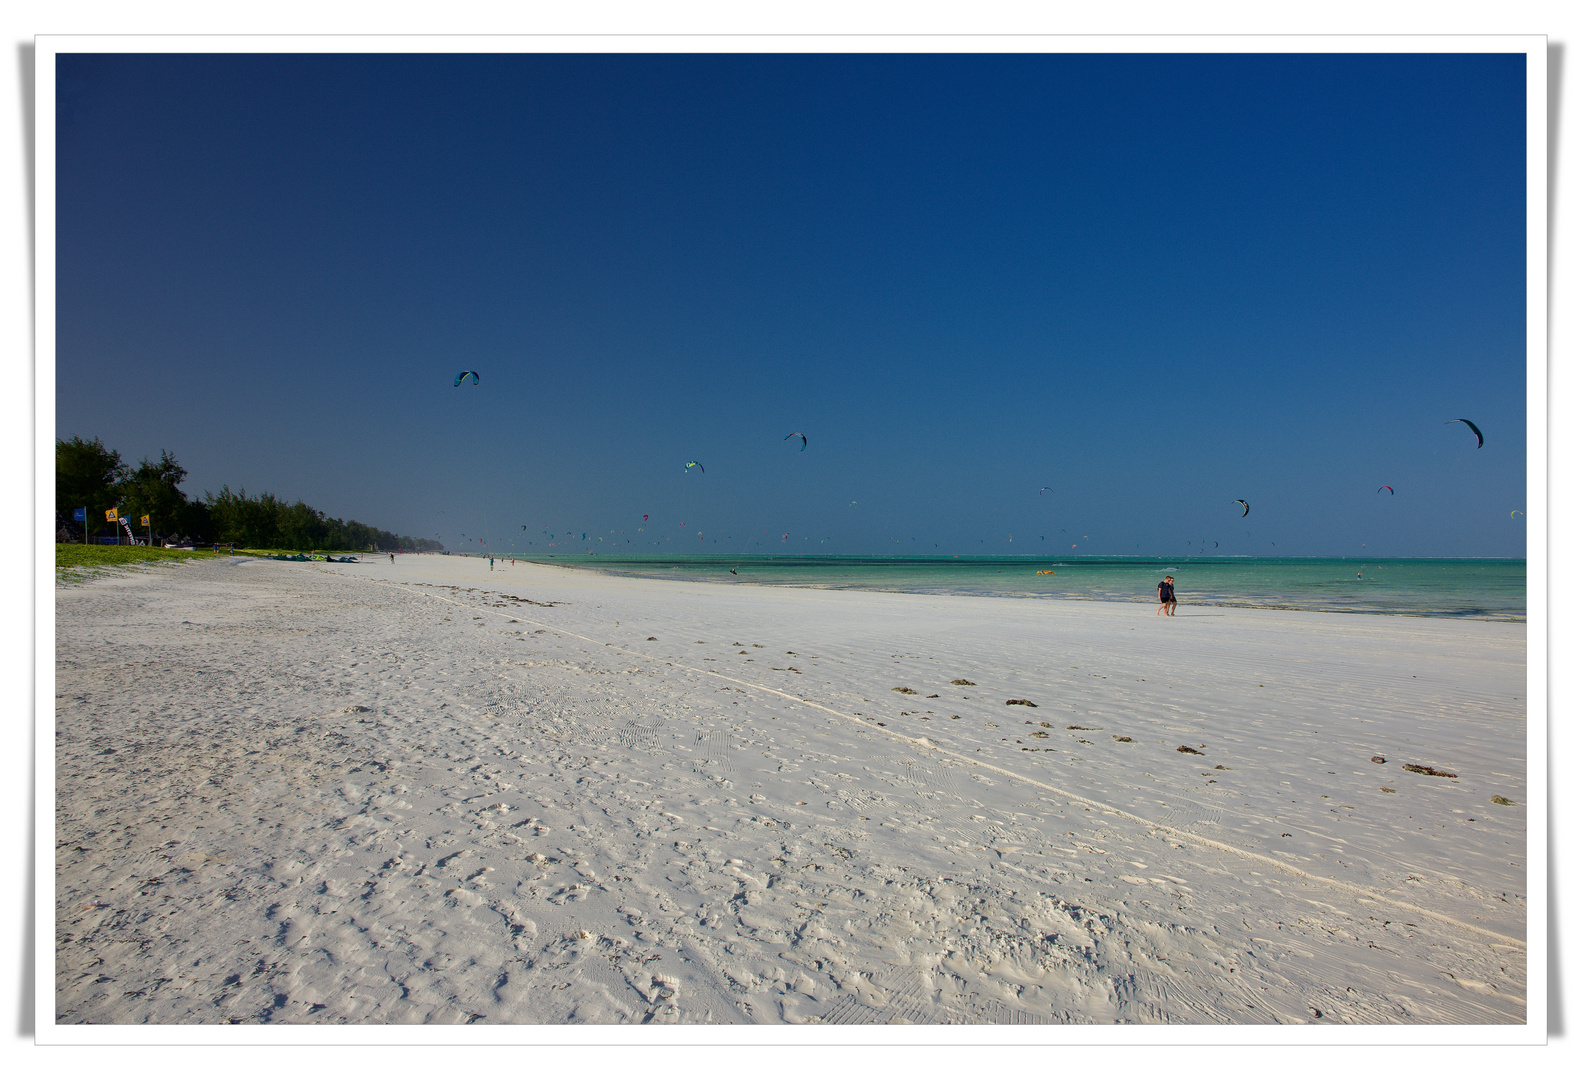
(638,738)
(983,1010)
(851,1011)
(940,791)
(714,748)
(1159,998)
(1188,816)
(905,1002)
(934,777)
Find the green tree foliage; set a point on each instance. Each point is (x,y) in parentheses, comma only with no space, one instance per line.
(153,489)
(264,521)
(236,519)
(86,474)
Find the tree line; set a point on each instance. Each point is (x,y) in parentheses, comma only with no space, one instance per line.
(88,474)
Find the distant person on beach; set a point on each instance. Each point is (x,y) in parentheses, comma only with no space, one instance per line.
(392,558)
(1167,596)
(491,562)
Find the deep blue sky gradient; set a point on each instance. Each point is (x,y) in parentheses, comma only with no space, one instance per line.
(1155,283)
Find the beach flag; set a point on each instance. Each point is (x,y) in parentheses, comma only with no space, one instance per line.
(113,514)
(144,520)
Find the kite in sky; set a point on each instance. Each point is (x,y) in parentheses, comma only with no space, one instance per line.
(797,435)
(1044,489)
(1386,487)
(688,466)
(1245,509)
(1470,424)
(463,375)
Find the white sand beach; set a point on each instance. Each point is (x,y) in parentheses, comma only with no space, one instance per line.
(429,793)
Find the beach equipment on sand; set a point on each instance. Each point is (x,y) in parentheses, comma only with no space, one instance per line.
(1245,509)
(1470,424)
(463,375)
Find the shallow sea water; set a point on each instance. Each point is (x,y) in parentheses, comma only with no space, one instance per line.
(1443,588)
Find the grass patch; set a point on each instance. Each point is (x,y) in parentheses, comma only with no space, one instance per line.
(74,562)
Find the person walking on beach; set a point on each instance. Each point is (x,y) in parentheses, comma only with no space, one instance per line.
(491,562)
(392,558)
(1167,596)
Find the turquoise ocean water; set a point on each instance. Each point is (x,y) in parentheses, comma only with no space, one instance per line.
(1441,588)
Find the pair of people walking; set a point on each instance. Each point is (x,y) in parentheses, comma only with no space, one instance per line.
(1167,596)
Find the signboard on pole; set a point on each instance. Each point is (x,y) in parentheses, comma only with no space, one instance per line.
(80,514)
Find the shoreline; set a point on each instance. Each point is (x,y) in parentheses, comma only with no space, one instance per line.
(947,591)
(472,788)
(614,572)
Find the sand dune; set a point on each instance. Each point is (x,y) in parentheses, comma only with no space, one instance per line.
(428,793)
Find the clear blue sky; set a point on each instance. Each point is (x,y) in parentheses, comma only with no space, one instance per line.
(1155,284)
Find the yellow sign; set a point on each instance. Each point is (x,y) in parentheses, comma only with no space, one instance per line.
(112,515)
(144,521)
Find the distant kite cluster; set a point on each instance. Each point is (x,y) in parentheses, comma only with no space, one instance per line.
(1246,507)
